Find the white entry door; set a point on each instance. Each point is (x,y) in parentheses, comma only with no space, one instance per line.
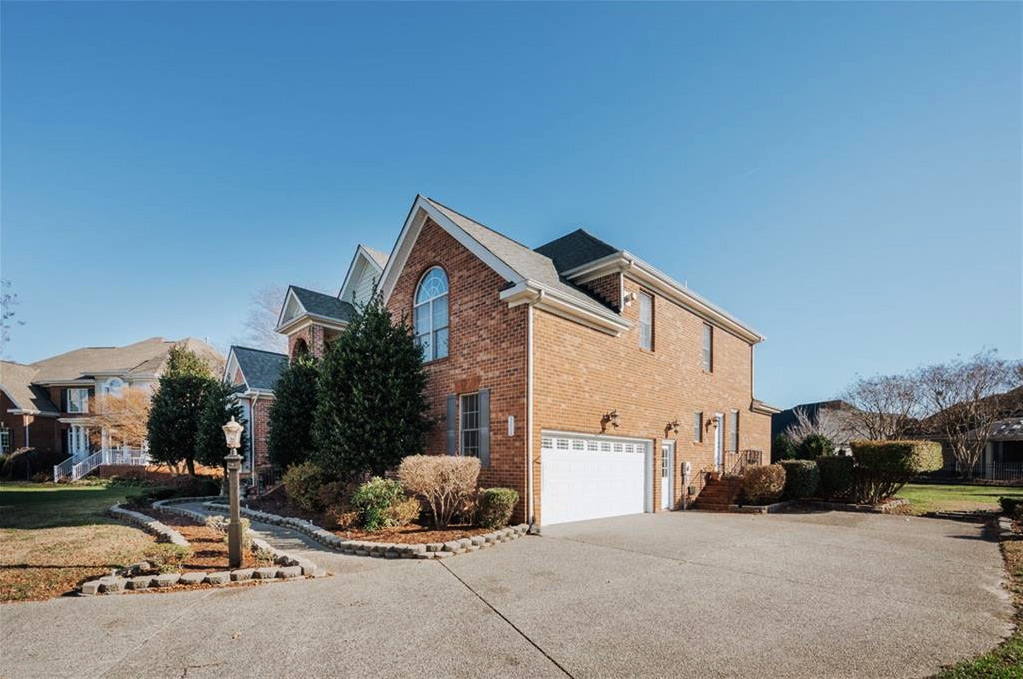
(667,475)
(719,441)
(593,477)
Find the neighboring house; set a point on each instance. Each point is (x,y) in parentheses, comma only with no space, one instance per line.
(254,373)
(580,375)
(832,417)
(46,405)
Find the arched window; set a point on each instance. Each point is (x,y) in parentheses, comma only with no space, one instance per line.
(431,314)
(301,348)
(114,386)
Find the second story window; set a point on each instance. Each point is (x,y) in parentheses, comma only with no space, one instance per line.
(708,348)
(78,400)
(430,314)
(646,321)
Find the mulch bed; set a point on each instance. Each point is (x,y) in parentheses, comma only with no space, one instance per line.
(208,545)
(276,502)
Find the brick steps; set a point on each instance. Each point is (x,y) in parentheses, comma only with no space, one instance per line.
(716,496)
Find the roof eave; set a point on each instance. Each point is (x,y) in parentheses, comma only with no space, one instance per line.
(542,297)
(326,321)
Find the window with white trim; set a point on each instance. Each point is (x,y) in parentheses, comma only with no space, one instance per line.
(78,400)
(708,348)
(698,427)
(733,431)
(114,386)
(646,321)
(5,440)
(469,421)
(430,314)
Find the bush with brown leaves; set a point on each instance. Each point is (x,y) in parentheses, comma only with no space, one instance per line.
(444,482)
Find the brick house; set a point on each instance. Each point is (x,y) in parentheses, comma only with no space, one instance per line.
(46,405)
(581,376)
(254,373)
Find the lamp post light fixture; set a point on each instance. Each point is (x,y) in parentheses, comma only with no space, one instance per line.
(233,434)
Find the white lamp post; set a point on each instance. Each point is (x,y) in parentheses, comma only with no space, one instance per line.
(233,434)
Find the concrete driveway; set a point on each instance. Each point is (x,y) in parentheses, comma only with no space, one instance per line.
(680,594)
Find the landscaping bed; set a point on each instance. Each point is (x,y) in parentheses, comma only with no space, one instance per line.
(209,550)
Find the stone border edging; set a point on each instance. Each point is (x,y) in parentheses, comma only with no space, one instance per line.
(287,567)
(761,509)
(384,550)
(847,507)
(149,524)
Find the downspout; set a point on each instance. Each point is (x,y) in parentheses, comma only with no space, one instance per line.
(252,443)
(530,511)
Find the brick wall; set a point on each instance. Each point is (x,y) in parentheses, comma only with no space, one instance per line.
(487,349)
(580,374)
(44,433)
(313,336)
(607,288)
(261,429)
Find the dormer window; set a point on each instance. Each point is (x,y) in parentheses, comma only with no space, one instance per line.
(430,314)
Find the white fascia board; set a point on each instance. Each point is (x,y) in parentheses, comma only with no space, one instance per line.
(364,257)
(36,413)
(287,298)
(552,301)
(305,319)
(763,408)
(635,268)
(421,209)
(232,361)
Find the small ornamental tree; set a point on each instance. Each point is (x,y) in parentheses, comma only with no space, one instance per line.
(177,406)
(291,414)
(123,416)
(371,410)
(218,409)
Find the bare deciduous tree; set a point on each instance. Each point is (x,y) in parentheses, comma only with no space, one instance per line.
(885,406)
(8,300)
(264,308)
(966,398)
(830,423)
(123,417)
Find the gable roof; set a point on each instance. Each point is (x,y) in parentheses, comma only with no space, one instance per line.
(379,257)
(576,249)
(260,368)
(322,304)
(140,360)
(16,381)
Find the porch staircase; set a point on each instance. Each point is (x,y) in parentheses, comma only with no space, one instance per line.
(716,496)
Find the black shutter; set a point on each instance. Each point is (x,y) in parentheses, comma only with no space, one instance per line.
(452,422)
(484,427)
(63,401)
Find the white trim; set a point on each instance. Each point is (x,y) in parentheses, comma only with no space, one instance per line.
(287,298)
(589,435)
(232,360)
(552,301)
(421,209)
(628,264)
(303,321)
(360,254)
(530,460)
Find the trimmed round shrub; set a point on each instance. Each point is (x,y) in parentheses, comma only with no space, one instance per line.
(402,513)
(884,467)
(764,485)
(495,506)
(446,483)
(836,472)
(374,498)
(814,446)
(303,483)
(801,478)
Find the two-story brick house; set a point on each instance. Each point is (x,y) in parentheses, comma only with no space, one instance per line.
(580,375)
(253,373)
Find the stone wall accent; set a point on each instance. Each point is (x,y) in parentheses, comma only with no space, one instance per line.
(162,531)
(383,550)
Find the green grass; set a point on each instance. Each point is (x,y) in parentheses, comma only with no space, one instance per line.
(36,505)
(925,497)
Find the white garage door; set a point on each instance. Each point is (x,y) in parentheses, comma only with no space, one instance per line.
(592,477)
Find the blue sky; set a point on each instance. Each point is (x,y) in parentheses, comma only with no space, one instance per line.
(844,177)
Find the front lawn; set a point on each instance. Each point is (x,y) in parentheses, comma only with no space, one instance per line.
(926,497)
(58,536)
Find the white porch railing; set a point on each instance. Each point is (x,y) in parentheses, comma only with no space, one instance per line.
(75,468)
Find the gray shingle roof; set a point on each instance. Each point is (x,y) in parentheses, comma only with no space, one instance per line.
(260,368)
(528,263)
(141,359)
(575,249)
(16,381)
(323,304)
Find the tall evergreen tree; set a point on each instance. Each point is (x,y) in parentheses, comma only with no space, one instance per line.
(218,409)
(291,414)
(177,405)
(371,411)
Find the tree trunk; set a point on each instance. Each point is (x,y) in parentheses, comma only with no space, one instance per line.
(190,464)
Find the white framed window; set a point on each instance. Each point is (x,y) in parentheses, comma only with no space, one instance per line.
(646,321)
(708,348)
(78,400)
(114,386)
(698,427)
(733,431)
(430,314)
(5,440)
(469,425)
